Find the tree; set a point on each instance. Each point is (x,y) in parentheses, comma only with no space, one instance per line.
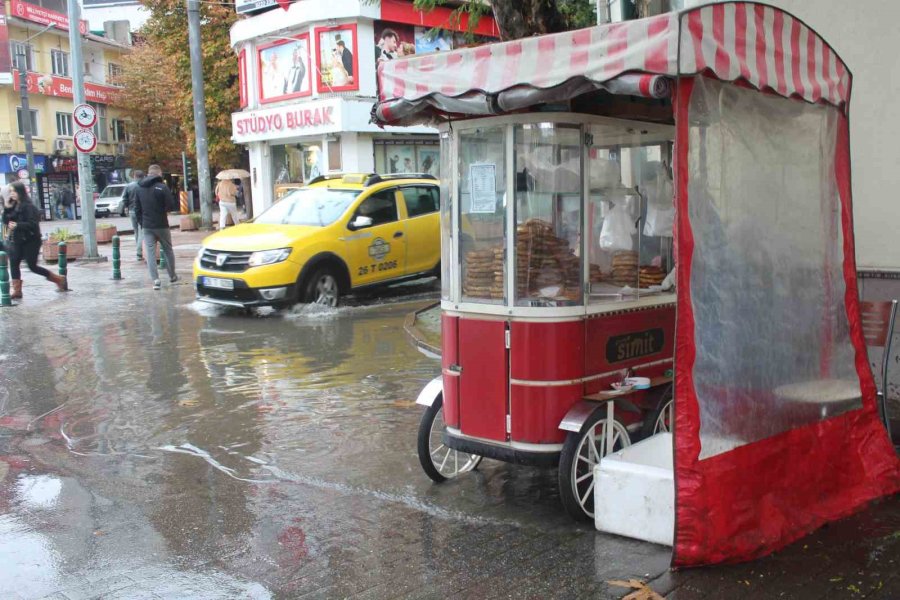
(155,124)
(169,76)
(524,18)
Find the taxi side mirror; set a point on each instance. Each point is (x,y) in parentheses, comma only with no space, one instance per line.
(360,222)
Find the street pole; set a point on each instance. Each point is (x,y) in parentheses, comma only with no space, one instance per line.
(26,113)
(85,178)
(193,14)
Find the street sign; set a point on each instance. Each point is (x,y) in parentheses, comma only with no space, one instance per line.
(85,116)
(85,140)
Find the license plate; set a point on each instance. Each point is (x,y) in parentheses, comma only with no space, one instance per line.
(215,282)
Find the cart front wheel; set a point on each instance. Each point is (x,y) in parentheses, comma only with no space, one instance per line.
(438,461)
(662,419)
(581,452)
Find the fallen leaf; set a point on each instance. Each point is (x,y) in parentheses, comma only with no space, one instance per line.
(643,590)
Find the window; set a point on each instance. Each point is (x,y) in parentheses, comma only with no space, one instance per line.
(118,130)
(115,72)
(22,56)
(64,124)
(59,62)
(381,207)
(34,121)
(420,200)
(334,155)
(101,128)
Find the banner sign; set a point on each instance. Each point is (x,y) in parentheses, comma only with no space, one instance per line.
(5,57)
(252,6)
(302,118)
(13,163)
(39,14)
(61,87)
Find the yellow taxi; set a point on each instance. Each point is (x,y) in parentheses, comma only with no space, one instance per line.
(338,234)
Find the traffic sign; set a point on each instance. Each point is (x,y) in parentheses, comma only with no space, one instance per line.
(85,116)
(85,140)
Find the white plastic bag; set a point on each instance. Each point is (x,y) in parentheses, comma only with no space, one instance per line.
(660,220)
(617,230)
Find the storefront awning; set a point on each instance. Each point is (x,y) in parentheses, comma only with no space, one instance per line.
(736,41)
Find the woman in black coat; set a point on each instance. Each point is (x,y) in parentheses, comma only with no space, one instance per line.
(23,238)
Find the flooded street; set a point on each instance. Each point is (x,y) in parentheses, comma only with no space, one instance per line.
(154,447)
(153,444)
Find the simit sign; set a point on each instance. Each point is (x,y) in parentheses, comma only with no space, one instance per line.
(308,118)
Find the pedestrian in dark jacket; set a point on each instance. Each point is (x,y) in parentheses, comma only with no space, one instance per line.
(23,241)
(152,205)
(129,197)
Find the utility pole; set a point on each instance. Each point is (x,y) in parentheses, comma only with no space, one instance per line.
(85,178)
(193,14)
(26,111)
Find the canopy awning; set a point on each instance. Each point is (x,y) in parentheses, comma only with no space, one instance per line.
(763,46)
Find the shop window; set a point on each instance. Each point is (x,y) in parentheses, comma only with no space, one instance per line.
(407,157)
(59,62)
(630,213)
(482,190)
(118,131)
(548,215)
(34,121)
(420,200)
(334,155)
(22,56)
(64,124)
(380,207)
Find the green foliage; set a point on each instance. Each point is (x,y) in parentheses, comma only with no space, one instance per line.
(164,66)
(105,226)
(63,234)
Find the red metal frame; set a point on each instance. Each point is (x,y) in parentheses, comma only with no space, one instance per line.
(242,77)
(320,87)
(259,69)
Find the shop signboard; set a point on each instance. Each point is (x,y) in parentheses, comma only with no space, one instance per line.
(39,14)
(300,119)
(253,6)
(61,87)
(5,57)
(13,163)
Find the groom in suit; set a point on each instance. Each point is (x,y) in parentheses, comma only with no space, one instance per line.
(296,75)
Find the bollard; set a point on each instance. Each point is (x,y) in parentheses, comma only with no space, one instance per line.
(116,259)
(63,261)
(5,300)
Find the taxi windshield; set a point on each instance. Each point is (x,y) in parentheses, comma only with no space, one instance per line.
(309,206)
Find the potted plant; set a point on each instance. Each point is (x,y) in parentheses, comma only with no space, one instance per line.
(190,222)
(74,245)
(105,232)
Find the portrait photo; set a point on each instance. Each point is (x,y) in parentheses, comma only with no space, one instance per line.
(336,59)
(284,69)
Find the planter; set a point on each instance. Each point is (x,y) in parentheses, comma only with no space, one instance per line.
(187,223)
(105,234)
(74,249)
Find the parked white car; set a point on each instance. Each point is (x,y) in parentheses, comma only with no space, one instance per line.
(111,201)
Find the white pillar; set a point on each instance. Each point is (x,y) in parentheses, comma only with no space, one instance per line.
(261,177)
(359,152)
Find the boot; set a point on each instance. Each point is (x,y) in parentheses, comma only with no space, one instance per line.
(59,280)
(16,289)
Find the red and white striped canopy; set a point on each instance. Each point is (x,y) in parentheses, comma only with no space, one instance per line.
(756,43)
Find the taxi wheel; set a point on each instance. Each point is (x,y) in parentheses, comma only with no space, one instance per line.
(323,288)
(581,452)
(438,461)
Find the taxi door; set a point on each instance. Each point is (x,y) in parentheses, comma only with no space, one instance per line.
(378,252)
(423,227)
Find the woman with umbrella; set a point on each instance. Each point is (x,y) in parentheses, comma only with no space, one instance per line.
(226,193)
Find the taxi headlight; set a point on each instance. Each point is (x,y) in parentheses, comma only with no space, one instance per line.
(268,257)
(200,253)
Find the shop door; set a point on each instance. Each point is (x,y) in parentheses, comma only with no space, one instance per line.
(378,252)
(483,378)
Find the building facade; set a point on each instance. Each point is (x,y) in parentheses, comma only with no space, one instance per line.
(47,61)
(307,77)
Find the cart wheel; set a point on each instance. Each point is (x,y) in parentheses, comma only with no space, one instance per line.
(581,452)
(439,462)
(661,419)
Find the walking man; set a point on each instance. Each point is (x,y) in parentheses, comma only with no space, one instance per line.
(129,196)
(152,204)
(226,192)
(68,202)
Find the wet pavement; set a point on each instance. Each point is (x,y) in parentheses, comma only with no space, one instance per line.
(155,447)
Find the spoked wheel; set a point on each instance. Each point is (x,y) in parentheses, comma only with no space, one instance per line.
(438,461)
(581,452)
(661,419)
(323,288)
